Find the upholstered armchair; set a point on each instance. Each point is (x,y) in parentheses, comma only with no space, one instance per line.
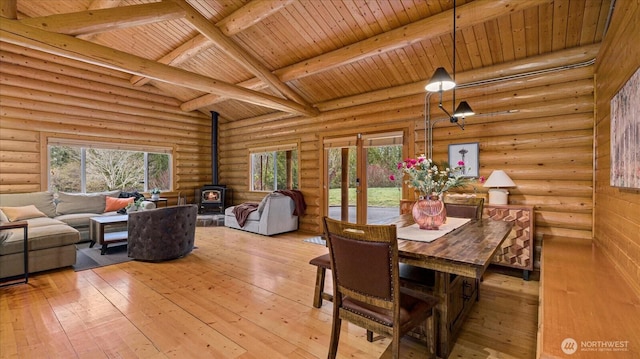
(163,233)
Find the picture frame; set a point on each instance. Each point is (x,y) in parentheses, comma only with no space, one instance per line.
(625,135)
(469,153)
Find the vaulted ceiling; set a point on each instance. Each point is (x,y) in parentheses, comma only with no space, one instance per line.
(248,58)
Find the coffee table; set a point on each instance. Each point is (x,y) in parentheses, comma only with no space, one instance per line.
(97,226)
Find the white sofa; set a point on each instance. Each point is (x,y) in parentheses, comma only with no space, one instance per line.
(274,215)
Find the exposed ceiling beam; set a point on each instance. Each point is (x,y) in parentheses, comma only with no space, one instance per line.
(470,14)
(239,20)
(250,14)
(103,4)
(101,20)
(14,32)
(243,58)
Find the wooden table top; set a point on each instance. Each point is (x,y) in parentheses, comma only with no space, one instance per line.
(465,251)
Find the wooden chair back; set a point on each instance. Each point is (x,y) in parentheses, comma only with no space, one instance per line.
(464,207)
(364,265)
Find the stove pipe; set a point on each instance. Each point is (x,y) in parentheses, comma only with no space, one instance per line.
(214,147)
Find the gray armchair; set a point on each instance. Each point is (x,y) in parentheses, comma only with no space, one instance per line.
(163,233)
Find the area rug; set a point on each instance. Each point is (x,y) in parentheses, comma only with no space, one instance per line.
(88,258)
(316,240)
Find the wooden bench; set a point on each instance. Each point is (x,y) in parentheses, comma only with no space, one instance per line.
(586,306)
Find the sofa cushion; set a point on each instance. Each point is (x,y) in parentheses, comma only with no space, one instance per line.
(42,200)
(77,220)
(114,204)
(80,203)
(40,237)
(22,213)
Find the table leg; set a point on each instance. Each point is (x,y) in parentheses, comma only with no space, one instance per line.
(441,290)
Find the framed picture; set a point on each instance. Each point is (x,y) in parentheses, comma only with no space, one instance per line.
(467,153)
(625,135)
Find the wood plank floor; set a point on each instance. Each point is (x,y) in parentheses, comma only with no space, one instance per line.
(238,295)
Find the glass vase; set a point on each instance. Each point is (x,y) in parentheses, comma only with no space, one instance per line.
(429,212)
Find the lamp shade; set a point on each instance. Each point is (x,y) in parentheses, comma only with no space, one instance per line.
(499,178)
(440,81)
(463,110)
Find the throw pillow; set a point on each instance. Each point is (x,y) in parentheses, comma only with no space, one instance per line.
(3,217)
(21,213)
(114,204)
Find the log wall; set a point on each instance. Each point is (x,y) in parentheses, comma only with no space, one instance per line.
(45,95)
(546,146)
(617,216)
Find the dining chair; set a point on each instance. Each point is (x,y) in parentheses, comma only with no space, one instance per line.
(464,207)
(366,285)
(423,280)
(322,263)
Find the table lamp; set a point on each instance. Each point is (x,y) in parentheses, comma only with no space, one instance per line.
(498,179)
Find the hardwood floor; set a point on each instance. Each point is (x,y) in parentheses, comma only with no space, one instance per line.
(238,295)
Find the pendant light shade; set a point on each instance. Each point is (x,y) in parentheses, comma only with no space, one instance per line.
(463,110)
(440,81)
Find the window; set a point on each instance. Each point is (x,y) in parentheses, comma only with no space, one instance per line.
(274,168)
(77,166)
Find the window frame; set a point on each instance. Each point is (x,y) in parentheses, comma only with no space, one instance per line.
(84,144)
(273,148)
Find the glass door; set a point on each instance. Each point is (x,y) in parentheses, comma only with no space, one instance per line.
(357,176)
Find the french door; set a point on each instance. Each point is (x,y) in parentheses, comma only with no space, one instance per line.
(357,184)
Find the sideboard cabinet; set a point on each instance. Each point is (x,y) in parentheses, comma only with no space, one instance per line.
(517,250)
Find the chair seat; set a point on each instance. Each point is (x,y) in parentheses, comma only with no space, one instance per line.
(410,307)
(323,261)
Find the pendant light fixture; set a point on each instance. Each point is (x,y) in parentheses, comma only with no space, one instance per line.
(441,81)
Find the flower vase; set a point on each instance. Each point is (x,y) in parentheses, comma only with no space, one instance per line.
(155,196)
(429,212)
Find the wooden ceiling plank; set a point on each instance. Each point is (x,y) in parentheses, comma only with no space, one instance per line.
(431,27)
(545,28)
(101,20)
(9,9)
(14,32)
(531,33)
(560,15)
(462,52)
(518,35)
(506,38)
(473,48)
(250,14)
(590,22)
(240,55)
(178,55)
(480,34)
(536,63)
(574,23)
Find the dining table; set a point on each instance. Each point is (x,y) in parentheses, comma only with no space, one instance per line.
(458,260)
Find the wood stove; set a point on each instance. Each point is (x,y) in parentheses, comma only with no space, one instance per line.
(211,198)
